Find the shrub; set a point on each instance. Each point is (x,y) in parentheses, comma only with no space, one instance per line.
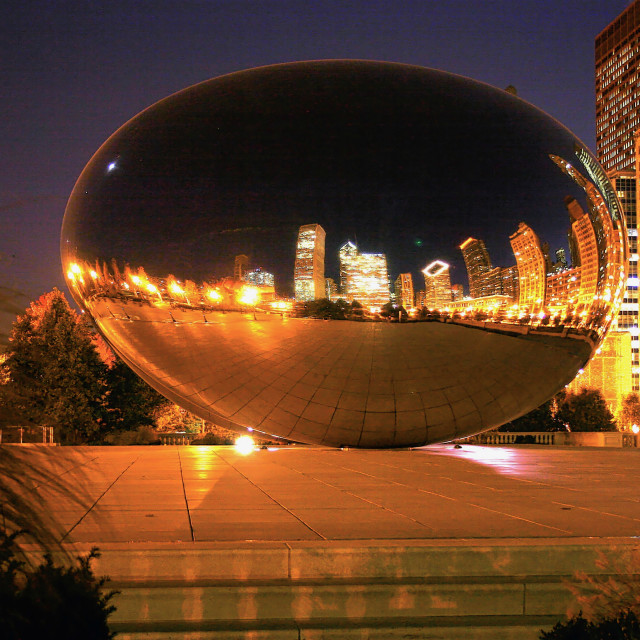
(51,601)
(624,626)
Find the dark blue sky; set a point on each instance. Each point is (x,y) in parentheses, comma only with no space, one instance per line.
(73,72)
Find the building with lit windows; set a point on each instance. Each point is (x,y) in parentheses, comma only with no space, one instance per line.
(617,74)
(364,275)
(478,264)
(403,290)
(259,278)
(437,284)
(617,71)
(240,266)
(584,252)
(609,370)
(308,277)
(531,265)
(331,289)
(625,184)
(457,292)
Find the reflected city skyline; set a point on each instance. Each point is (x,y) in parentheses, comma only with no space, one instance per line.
(242,244)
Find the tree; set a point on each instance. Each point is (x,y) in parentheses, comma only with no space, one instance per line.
(55,376)
(130,402)
(543,418)
(586,411)
(630,413)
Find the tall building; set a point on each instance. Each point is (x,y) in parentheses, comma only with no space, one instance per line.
(259,278)
(437,284)
(626,186)
(404,290)
(478,264)
(364,276)
(531,265)
(609,370)
(240,266)
(331,289)
(308,275)
(617,82)
(584,243)
(617,67)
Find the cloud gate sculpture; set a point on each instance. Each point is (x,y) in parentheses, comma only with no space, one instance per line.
(348,253)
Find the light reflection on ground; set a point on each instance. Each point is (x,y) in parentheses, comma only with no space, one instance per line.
(504,460)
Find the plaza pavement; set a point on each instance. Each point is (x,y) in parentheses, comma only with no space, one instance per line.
(301,543)
(205,494)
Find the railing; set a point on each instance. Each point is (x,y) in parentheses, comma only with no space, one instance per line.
(26,435)
(177,438)
(559,438)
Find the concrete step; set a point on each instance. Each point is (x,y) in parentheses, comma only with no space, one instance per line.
(426,628)
(315,590)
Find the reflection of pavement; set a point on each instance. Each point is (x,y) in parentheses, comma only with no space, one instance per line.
(166,494)
(339,382)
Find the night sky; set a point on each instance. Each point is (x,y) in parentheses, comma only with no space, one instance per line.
(73,72)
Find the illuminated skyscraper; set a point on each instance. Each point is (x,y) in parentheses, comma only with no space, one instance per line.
(331,289)
(308,276)
(626,184)
(364,276)
(531,269)
(259,278)
(617,67)
(404,290)
(437,284)
(457,292)
(478,263)
(584,238)
(240,266)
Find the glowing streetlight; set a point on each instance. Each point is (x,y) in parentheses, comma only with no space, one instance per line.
(244,445)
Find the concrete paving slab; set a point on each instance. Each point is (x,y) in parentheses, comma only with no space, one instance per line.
(302,493)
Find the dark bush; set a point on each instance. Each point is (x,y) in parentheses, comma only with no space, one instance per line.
(624,626)
(50,601)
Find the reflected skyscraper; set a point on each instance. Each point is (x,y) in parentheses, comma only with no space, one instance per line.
(437,284)
(259,278)
(308,277)
(404,290)
(531,269)
(240,266)
(364,276)
(586,258)
(478,264)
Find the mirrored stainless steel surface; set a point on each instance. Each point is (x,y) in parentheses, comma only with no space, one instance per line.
(348,253)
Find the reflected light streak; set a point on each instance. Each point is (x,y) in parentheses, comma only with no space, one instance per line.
(503,460)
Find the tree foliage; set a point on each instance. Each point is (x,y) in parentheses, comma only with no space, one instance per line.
(131,403)
(58,372)
(586,411)
(55,375)
(541,419)
(630,413)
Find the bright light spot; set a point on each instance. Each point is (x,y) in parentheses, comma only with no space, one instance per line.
(151,288)
(174,287)
(635,428)
(135,280)
(71,275)
(93,274)
(215,295)
(112,166)
(249,296)
(76,268)
(244,445)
